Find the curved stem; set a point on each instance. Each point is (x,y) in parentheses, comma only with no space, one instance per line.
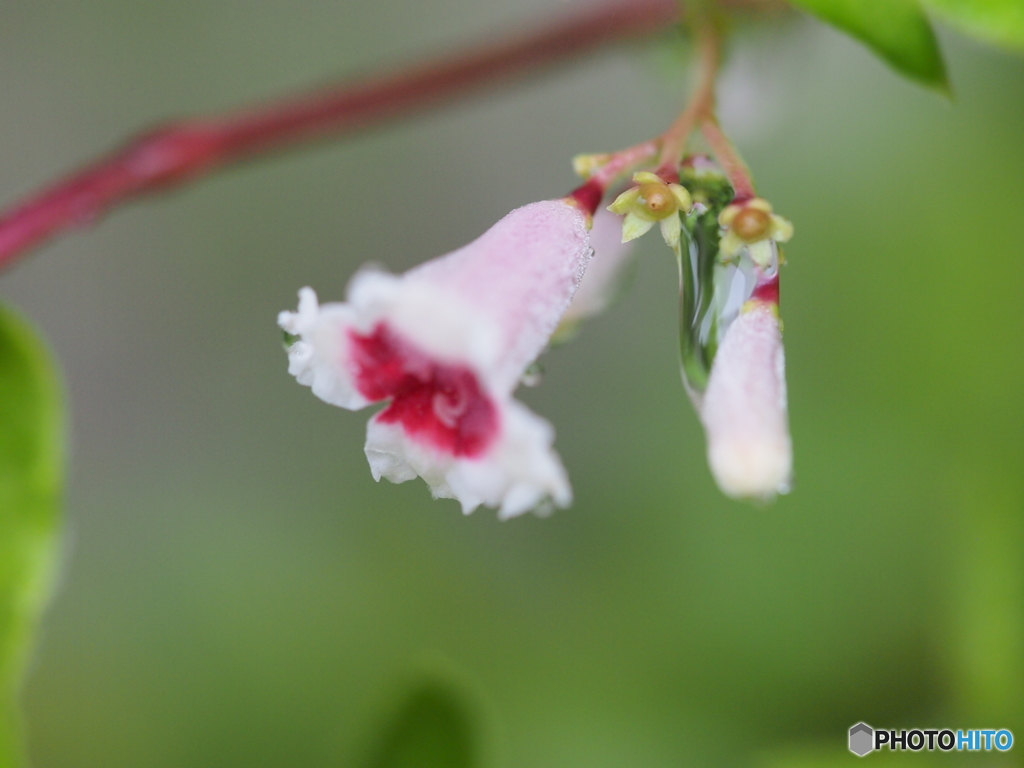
(186,150)
(624,161)
(725,153)
(698,113)
(701,103)
(670,146)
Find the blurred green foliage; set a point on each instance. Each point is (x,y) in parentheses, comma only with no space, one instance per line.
(897,30)
(31,450)
(997,21)
(431,730)
(240,593)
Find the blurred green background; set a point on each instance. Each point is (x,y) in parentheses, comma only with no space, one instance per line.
(238,592)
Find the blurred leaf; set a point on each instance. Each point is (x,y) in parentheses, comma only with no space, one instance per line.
(988,605)
(836,755)
(30,482)
(995,21)
(897,30)
(433,730)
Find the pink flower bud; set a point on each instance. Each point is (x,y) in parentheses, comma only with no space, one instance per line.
(444,346)
(744,407)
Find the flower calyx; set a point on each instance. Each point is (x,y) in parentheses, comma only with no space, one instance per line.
(652,201)
(752,225)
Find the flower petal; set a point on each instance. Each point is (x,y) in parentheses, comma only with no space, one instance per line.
(518,473)
(730,245)
(671,230)
(647,177)
(682,196)
(445,345)
(605,274)
(763,253)
(314,360)
(728,214)
(781,229)
(623,204)
(516,280)
(744,408)
(634,226)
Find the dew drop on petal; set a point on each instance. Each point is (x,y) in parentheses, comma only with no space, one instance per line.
(533,375)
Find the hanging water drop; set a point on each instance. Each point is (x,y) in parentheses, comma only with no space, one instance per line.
(712,292)
(533,375)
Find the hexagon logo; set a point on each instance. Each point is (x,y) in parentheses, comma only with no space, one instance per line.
(862,739)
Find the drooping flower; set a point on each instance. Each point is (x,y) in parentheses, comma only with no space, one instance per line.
(753,226)
(744,409)
(733,363)
(444,346)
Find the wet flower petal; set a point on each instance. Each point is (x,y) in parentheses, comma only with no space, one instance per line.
(521,473)
(444,346)
(606,272)
(744,407)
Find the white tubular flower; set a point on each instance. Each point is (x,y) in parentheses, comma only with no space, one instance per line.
(744,407)
(444,345)
(604,277)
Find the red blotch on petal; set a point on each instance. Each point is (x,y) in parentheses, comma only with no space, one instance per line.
(436,403)
(768,291)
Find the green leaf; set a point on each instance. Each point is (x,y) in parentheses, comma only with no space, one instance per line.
(31,459)
(433,730)
(897,30)
(995,21)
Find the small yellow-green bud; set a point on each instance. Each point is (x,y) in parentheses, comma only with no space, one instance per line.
(658,200)
(751,223)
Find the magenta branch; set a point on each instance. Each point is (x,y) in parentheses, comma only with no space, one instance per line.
(184,151)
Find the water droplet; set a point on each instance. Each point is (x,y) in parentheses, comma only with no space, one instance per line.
(533,375)
(711,295)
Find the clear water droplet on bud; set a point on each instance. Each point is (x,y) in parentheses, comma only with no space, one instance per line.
(711,295)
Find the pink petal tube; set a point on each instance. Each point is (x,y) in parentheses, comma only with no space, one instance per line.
(607,270)
(744,408)
(444,346)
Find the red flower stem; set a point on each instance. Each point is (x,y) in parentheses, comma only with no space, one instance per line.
(701,103)
(624,160)
(183,151)
(732,164)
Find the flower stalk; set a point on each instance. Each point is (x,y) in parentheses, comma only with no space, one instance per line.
(701,104)
(697,115)
(728,157)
